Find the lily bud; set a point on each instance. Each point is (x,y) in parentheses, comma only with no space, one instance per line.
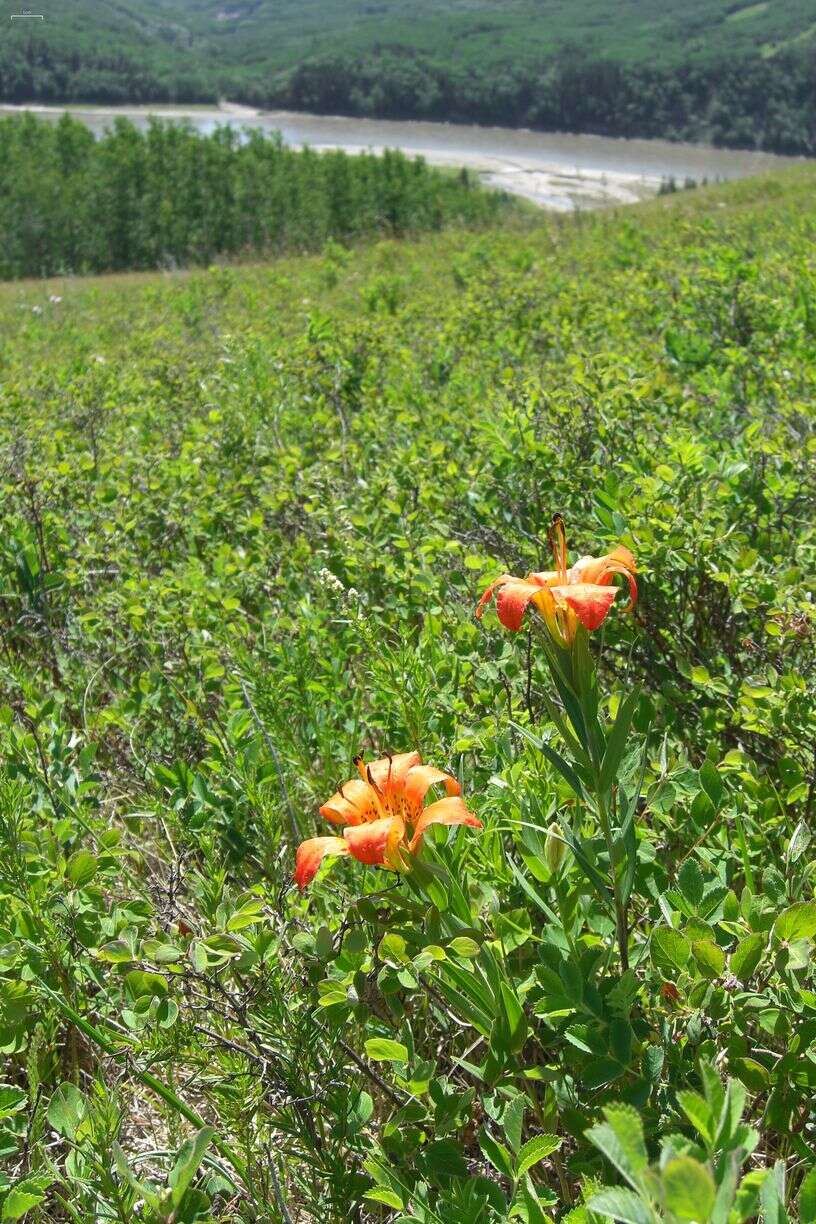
(554,847)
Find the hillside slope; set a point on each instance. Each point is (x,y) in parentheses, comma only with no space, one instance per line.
(247,35)
(719,69)
(245,517)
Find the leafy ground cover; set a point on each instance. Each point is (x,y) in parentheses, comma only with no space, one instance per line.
(246,517)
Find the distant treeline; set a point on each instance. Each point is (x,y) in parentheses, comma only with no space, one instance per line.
(760,103)
(168,196)
(765,103)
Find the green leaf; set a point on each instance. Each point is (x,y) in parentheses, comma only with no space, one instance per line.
(66,1109)
(444,1158)
(187,1162)
(12,1100)
(22,1197)
(513,1121)
(690,882)
(616,741)
(746,956)
(796,922)
(751,1073)
(670,950)
(81,868)
(709,957)
(116,952)
(497,1154)
(807,1198)
(689,1189)
(534,1150)
(698,1112)
(382,1049)
(621,1205)
(381,1194)
(620,1139)
(711,783)
(464,946)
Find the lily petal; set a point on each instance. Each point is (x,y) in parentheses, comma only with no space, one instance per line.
(601,570)
(355,803)
(488,594)
(515,597)
(589,601)
(450,811)
(389,773)
(418,782)
(375,843)
(310,855)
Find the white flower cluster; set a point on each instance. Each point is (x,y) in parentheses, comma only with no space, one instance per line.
(331,582)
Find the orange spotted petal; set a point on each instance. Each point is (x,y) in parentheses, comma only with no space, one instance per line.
(375,843)
(450,811)
(355,803)
(589,601)
(389,773)
(310,855)
(418,782)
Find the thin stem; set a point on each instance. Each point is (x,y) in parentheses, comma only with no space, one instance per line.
(621,920)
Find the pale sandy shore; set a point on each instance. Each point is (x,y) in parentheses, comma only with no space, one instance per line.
(556,171)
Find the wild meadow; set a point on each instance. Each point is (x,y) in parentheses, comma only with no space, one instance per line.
(553,958)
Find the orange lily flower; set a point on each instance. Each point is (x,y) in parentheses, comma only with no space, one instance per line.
(565,597)
(383,813)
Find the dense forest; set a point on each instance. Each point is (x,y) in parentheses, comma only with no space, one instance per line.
(715,70)
(168,196)
(755,103)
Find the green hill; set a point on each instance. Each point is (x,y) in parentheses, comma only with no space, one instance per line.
(251,36)
(738,73)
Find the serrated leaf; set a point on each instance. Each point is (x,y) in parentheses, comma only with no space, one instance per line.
(381,1194)
(620,1140)
(670,950)
(690,882)
(689,1189)
(513,1121)
(21,1199)
(621,1205)
(534,1150)
(698,1112)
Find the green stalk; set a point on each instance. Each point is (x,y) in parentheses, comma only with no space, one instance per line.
(743,845)
(621,920)
(150,1081)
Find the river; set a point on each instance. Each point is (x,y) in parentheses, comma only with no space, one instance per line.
(555,170)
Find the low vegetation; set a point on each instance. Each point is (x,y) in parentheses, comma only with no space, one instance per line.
(245,519)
